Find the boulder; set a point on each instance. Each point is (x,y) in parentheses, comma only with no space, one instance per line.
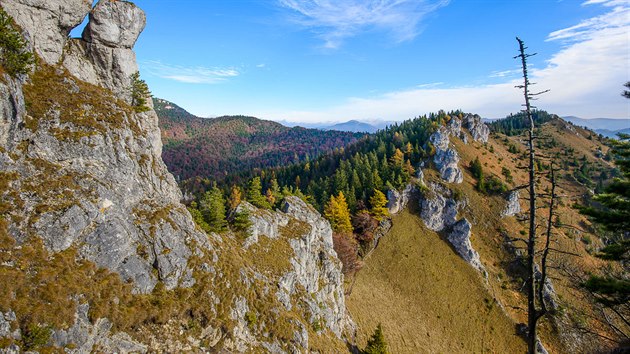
(459,237)
(104,55)
(477,128)
(85,336)
(446,158)
(397,201)
(438,209)
(513,206)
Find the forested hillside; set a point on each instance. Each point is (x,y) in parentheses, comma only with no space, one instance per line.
(476,175)
(214,148)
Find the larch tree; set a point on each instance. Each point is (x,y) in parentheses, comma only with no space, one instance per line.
(378,204)
(337,212)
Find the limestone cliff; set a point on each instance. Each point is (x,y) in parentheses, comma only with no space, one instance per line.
(92,226)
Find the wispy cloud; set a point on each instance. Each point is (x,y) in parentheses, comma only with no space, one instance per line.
(336,20)
(191,75)
(585,78)
(504,73)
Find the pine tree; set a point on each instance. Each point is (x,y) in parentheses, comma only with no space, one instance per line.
(139,93)
(254,194)
(376,344)
(378,202)
(337,212)
(212,207)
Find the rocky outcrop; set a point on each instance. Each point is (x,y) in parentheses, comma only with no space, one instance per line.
(104,55)
(316,269)
(438,209)
(397,201)
(85,336)
(513,206)
(82,171)
(120,206)
(311,282)
(264,223)
(48,23)
(477,128)
(446,158)
(459,237)
(549,293)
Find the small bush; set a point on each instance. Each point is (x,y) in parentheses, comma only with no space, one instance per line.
(15,59)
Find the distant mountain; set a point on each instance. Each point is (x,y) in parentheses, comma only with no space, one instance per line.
(354,126)
(600,123)
(612,133)
(216,147)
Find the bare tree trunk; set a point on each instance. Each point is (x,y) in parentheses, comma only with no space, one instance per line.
(531,242)
(543,261)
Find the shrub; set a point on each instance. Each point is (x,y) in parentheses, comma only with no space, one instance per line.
(376,344)
(14,57)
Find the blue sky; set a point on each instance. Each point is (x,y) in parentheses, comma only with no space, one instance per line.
(327,60)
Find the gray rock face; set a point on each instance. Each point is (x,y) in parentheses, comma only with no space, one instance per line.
(446,158)
(454,126)
(477,128)
(5,325)
(459,237)
(513,206)
(86,336)
(397,201)
(438,209)
(104,55)
(12,108)
(115,24)
(48,22)
(121,206)
(264,223)
(317,269)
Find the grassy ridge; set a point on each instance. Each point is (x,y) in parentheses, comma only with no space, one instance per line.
(426,297)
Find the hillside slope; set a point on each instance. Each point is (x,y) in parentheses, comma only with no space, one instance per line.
(426,297)
(215,147)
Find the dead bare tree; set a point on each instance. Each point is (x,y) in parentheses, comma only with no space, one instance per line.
(534,311)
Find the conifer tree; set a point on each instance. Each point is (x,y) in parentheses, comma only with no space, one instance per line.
(376,344)
(337,212)
(15,59)
(212,207)
(139,93)
(378,202)
(254,194)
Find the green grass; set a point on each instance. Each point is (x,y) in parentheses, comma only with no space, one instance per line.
(427,298)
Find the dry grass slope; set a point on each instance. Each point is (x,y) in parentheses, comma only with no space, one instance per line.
(427,298)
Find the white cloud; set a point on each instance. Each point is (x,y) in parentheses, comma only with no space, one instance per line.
(191,75)
(585,78)
(336,20)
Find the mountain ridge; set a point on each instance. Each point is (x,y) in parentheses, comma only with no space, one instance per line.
(216,147)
